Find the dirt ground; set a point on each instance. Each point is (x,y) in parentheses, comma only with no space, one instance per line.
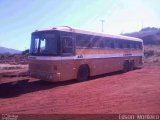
(133,92)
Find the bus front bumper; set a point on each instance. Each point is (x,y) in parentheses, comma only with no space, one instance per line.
(52,77)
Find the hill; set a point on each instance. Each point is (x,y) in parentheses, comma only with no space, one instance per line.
(12,56)
(4,50)
(150,35)
(151,39)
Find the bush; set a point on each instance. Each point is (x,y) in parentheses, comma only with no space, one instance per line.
(26,52)
(148,53)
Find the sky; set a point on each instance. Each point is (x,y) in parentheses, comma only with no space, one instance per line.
(19,18)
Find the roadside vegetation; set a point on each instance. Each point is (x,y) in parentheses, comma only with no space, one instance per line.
(151,53)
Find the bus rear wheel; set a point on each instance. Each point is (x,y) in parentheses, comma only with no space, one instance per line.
(83,73)
(131,65)
(126,66)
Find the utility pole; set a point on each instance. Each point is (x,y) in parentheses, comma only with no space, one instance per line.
(142,24)
(102,24)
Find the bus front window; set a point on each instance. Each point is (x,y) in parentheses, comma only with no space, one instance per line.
(44,44)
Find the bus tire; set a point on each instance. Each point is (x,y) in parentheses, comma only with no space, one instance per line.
(131,65)
(83,73)
(126,66)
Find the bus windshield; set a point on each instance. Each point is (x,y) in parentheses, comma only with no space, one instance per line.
(44,44)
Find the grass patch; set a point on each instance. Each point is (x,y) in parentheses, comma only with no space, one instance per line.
(152,53)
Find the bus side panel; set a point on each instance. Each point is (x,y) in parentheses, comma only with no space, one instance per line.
(105,65)
(68,69)
(138,61)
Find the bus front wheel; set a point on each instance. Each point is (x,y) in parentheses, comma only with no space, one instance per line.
(83,73)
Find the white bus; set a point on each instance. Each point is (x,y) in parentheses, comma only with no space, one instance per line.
(64,53)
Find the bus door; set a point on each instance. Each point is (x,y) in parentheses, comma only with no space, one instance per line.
(67,56)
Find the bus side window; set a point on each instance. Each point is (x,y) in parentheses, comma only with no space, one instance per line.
(128,45)
(124,44)
(116,43)
(97,42)
(67,45)
(108,43)
(83,41)
(102,43)
(134,45)
(120,45)
(112,44)
(139,45)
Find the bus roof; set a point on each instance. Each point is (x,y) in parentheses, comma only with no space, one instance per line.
(69,29)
